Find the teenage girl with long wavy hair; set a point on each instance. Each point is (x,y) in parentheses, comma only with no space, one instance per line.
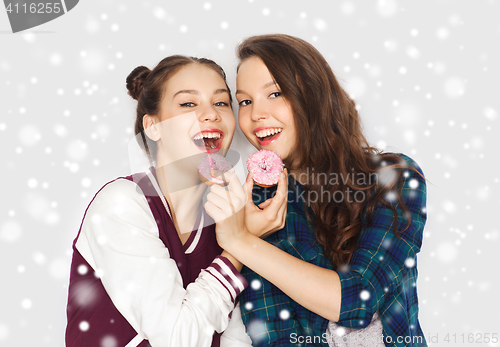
(342,232)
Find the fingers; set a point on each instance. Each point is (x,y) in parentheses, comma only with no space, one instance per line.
(282,214)
(226,201)
(283,183)
(265,203)
(217,200)
(218,190)
(214,212)
(248,186)
(278,202)
(231,200)
(234,184)
(282,192)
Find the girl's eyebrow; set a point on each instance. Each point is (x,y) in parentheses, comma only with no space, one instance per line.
(268,84)
(195,92)
(222,90)
(186,91)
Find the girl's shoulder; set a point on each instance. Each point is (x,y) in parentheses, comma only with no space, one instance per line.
(119,190)
(118,195)
(400,158)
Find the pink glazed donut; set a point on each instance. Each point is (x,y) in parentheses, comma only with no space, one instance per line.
(265,167)
(213,166)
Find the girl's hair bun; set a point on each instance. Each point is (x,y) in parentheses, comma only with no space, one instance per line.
(135,81)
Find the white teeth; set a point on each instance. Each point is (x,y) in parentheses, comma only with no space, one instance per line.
(207,136)
(267,132)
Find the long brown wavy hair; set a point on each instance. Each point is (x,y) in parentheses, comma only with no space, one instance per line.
(330,141)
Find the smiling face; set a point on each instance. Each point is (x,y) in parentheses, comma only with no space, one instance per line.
(265,116)
(195,115)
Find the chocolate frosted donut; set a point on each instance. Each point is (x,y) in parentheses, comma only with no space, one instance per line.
(265,167)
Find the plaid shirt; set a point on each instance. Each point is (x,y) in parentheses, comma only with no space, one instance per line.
(381,276)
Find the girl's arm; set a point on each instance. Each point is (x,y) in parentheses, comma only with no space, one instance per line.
(313,287)
(293,276)
(119,239)
(235,335)
(376,269)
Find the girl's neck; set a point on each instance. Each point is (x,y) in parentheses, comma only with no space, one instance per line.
(183,193)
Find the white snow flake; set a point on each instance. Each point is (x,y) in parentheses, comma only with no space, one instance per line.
(84,326)
(447,252)
(26,304)
(29,135)
(347,8)
(410,262)
(490,113)
(256,284)
(387,8)
(320,24)
(454,87)
(11,231)
(39,258)
(109,341)
(83,269)
(364,295)
(4,332)
(285,314)
(413,184)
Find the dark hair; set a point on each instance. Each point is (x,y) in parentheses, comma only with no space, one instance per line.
(147,87)
(331,141)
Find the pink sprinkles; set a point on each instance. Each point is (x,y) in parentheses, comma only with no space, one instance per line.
(265,167)
(219,163)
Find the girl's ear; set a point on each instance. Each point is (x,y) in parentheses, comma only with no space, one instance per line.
(152,130)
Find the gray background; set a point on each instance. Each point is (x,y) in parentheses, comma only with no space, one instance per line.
(425,74)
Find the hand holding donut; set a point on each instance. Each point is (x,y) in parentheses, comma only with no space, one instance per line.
(270,216)
(226,207)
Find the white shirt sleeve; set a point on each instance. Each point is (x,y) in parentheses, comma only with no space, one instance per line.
(119,238)
(235,335)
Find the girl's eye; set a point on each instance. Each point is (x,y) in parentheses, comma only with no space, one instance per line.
(244,103)
(221,103)
(188,104)
(275,94)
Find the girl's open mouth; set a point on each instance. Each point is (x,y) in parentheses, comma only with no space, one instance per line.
(265,136)
(209,140)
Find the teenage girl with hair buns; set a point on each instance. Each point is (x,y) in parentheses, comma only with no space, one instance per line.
(146,268)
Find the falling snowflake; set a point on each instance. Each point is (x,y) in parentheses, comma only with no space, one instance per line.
(26,304)
(4,332)
(109,341)
(410,262)
(364,295)
(82,269)
(256,284)
(84,326)
(284,314)
(11,231)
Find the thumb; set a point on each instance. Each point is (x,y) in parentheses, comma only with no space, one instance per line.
(249,186)
(265,203)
